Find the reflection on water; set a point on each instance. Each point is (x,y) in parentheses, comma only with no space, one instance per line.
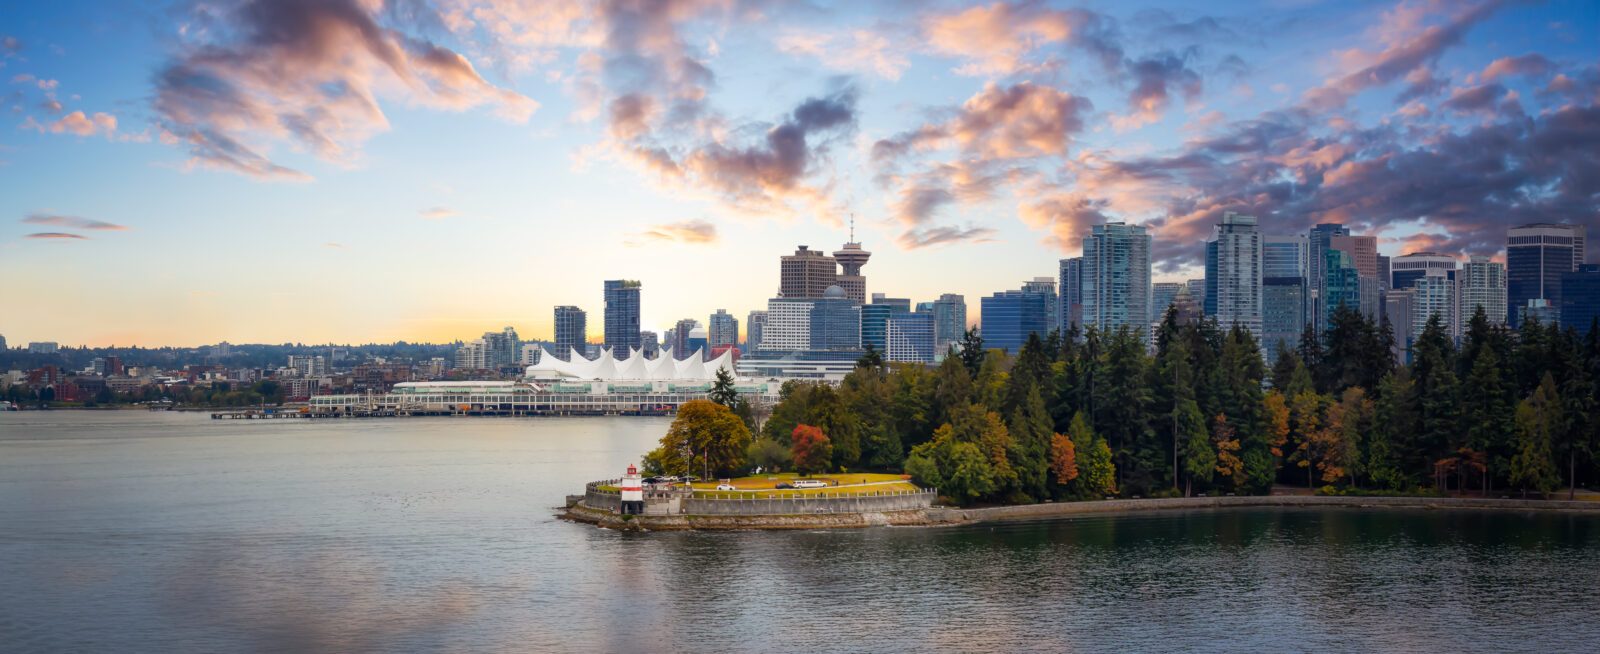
(129,531)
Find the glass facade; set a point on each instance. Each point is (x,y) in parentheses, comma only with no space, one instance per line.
(1341,284)
(622,316)
(1071,294)
(910,337)
(1116,277)
(835,324)
(1010,316)
(875,325)
(572,331)
(1580,298)
(949,321)
(1283,313)
(1536,258)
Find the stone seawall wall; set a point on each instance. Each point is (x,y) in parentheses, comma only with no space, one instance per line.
(808,505)
(1059,509)
(595,498)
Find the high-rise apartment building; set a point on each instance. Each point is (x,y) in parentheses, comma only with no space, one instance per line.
(1537,255)
(1483,284)
(1434,294)
(572,331)
(1116,277)
(1233,273)
(622,316)
(807,274)
(724,329)
(1070,298)
(1341,285)
(949,322)
(1399,307)
(754,326)
(1363,251)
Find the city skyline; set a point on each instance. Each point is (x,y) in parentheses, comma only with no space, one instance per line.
(483,166)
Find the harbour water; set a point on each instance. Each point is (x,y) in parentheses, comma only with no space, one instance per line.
(165,532)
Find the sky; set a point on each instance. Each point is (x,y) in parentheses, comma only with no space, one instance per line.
(352,171)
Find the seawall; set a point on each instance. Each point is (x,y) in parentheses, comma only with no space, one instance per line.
(948,516)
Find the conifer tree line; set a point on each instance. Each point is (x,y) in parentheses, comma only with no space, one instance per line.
(1093,414)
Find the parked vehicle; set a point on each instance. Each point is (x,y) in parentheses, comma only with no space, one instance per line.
(725,487)
(810,483)
(784,486)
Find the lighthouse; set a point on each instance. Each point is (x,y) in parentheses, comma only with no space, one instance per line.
(632,492)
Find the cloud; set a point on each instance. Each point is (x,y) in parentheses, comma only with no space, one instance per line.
(78,123)
(1156,78)
(72,221)
(690,231)
(1530,65)
(1410,47)
(308,72)
(857,51)
(437,213)
(997,39)
(921,238)
(57,236)
(333,246)
(1066,217)
(1475,99)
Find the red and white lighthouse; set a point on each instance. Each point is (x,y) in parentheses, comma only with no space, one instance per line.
(632,492)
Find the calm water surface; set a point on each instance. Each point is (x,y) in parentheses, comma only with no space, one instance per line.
(130,532)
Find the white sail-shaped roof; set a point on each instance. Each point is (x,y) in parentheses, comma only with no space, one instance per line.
(634,368)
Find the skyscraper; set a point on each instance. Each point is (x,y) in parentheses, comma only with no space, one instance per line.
(649,345)
(681,333)
(1283,313)
(949,322)
(1434,294)
(1580,298)
(1285,256)
(875,325)
(1317,241)
(1398,307)
(1363,251)
(754,326)
(1341,285)
(910,337)
(572,331)
(1010,316)
(807,274)
(835,321)
(788,325)
(1116,277)
(851,258)
(724,329)
(1233,273)
(622,316)
(1162,295)
(1047,286)
(1482,283)
(1070,297)
(1537,255)
(1405,269)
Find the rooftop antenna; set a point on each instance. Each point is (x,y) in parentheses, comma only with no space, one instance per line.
(852,227)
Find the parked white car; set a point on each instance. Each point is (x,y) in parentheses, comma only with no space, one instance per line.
(725,487)
(810,483)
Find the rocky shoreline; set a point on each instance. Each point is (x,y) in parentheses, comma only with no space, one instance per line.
(942,516)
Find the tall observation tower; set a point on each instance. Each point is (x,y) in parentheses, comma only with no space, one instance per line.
(851,259)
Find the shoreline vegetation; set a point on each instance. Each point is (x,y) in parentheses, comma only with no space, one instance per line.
(955,516)
(1191,410)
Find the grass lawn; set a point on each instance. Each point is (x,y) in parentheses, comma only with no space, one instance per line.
(854,483)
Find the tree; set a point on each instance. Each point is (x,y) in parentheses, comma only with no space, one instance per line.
(810,449)
(1311,439)
(1348,419)
(722,390)
(1394,413)
(1097,474)
(1199,459)
(1226,442)
(1063,459)
(972,352)
(706,432)
(870,359)
(769,454)
(1489,409)
(1538,418)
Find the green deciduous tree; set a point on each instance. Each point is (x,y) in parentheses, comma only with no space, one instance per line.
(1538,419)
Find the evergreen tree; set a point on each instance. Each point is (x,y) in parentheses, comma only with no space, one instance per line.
(1538,418)
(1242,372)
(1031,430)
(870,359)
(1199,459)
(1394,419)
(1286,363)
(1438,424)
(972,352)
(1123,400)
(722,390)
(1173,382)
(1488,407)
